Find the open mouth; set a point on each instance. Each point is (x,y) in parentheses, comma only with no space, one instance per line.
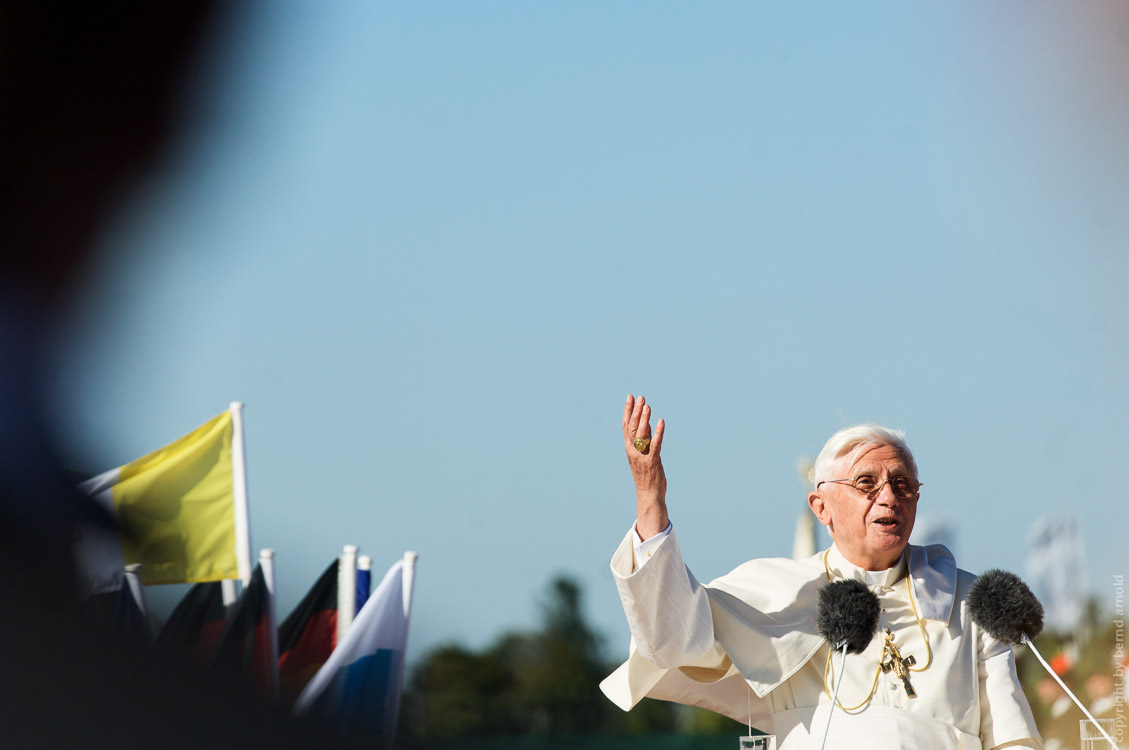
(888,523)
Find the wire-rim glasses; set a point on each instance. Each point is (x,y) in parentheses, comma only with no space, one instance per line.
(903,488)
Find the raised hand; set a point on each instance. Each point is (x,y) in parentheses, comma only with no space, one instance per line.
(644,457)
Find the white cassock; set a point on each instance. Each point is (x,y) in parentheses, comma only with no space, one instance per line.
(745,646)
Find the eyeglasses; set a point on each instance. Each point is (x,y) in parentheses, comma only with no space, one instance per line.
(903,488)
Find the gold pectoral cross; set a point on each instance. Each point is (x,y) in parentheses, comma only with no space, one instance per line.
(892,659)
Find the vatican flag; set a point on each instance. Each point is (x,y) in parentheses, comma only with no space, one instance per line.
(181,512)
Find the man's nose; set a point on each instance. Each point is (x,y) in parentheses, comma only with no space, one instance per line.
(885,494)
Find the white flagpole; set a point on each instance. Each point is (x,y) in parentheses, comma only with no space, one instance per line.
(239,488)
(266,562)
(346,590)
(227,587)
(409,582)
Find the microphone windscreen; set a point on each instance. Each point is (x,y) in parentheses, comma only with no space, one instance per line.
(1002,604)
(848,613)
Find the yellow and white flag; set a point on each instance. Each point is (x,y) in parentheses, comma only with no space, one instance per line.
(181,512)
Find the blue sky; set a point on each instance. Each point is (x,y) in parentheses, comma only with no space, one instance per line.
(433,245)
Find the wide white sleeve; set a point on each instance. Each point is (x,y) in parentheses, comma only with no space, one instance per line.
(1005,715)
(667,610)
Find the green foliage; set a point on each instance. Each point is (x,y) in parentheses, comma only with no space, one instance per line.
(540,683)
(700,721)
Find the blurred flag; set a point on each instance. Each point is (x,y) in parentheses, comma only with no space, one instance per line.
(181,512)
(1056,568)
(364,580)
(245,649)
(308,635)
(934,530)
(195,626)
(358,689)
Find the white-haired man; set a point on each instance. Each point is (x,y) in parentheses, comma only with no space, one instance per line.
(745,645)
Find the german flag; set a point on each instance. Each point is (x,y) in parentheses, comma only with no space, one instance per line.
(308,636)
(244,649)
(195,626)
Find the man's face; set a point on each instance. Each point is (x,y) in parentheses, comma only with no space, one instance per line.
(871,532)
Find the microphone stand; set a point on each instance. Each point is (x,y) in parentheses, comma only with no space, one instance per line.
(1062,684)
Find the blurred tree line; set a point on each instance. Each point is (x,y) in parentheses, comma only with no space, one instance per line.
(541,683)
(540,689)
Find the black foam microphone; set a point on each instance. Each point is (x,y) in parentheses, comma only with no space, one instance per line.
(1002,604)
(847,614)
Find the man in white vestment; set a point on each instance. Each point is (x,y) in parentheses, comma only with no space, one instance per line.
(745,645)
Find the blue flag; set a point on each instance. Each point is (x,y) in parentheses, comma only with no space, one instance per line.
(364,583)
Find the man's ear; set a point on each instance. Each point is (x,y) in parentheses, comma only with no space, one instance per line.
(819,507)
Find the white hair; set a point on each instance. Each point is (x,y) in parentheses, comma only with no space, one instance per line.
(847,439)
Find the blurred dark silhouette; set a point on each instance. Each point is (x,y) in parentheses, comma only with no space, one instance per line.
(89,92)
(89,96)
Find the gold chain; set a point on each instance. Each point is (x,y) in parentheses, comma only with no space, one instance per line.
(873,686)
(878,670)
(920,624)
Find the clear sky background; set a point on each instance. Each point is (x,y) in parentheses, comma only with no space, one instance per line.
(433,246)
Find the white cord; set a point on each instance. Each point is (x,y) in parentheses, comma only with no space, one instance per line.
(835,695)
(1062,684)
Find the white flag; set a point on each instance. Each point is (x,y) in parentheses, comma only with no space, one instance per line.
(1056,567)
(358,689)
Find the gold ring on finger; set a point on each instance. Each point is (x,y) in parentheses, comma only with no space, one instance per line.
(642,445)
